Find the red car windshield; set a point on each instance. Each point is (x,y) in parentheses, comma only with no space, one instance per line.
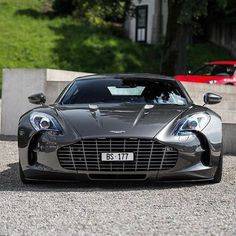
(216,70)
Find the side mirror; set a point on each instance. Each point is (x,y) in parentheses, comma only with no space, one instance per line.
(211,98)
(38,98)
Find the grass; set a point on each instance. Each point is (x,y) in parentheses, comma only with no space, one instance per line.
(30,38)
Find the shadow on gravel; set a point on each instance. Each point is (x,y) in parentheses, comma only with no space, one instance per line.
(10,181)
(8,137)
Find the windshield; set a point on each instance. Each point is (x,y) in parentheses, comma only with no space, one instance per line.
(216,70)
(129,90)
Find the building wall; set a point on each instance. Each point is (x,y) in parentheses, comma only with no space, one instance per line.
(131,21)
(164,16)
(157,20)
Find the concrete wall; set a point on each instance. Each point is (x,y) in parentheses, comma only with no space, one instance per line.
(18,84)
(229,139)
(226,109)
(157,20)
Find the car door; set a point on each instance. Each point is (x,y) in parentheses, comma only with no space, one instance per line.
(194,78)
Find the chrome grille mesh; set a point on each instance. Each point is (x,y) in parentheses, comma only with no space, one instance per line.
(86,155)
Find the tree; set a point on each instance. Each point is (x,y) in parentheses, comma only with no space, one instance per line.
(182,16)
(108,10)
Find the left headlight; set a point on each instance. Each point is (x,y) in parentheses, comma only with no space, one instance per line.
(42,121)
(194,122)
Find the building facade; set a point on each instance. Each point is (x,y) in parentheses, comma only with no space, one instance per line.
(148,25)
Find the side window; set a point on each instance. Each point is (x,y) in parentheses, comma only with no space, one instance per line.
(223,70)
(216,70)
(205,70)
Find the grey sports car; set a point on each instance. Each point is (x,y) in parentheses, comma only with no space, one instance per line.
(121,127)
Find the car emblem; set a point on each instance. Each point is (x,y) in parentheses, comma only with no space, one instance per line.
(117,131)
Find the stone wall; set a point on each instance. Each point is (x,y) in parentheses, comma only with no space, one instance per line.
(18,84)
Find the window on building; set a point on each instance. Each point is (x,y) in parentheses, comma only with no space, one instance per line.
(141,23)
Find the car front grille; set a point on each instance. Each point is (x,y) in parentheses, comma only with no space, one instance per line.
(149,155)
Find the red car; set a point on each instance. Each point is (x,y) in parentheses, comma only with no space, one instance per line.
(216,72)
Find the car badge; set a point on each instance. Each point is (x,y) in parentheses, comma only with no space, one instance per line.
(117,131)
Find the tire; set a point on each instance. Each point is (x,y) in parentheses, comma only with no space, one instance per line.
(218,174)
(22,176)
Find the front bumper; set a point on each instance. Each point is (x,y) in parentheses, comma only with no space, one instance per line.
(190,165)
(195,173)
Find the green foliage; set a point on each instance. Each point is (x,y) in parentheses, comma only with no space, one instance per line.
(96,49)
(186,18)
(94,11)
(192,10)
(32,39)
(63,7)
(222,10)
(205,52)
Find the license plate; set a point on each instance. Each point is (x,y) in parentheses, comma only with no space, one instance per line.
(118,156)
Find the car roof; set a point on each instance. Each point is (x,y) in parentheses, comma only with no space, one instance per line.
(130,75)
(221,63)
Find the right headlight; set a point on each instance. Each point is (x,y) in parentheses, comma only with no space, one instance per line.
(193,122)
(42,121)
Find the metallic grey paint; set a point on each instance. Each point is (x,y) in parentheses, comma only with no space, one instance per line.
(199,153)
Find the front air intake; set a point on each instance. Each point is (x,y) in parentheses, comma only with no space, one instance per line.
(149,155)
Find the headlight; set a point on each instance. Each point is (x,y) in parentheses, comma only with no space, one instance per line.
(43,121)
(194,122)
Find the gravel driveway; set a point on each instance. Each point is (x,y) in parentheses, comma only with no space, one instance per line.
(114,209)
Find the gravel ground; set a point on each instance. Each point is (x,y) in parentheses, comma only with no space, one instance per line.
(114,209)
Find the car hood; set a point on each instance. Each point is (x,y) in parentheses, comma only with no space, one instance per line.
(109,120)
